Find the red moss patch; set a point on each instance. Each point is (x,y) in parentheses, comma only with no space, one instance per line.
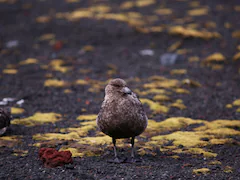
(53,158)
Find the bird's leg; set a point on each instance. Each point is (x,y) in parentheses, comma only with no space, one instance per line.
(114,147)
(133,159)
(132,143)
(116,159)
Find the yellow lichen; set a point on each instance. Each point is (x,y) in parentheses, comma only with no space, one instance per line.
(57,65)
(10,71)
(166,83)
(99,140)
(15,110)
(170,124)
(178,104)
(56,136)
(228,169)
(155,107)
(55,83)
(215,162)
(216,57)
(10,141)
(198,12)
(88,117)
(178,71)
(236,102)
(20,152)
(236,56)
(67,91)
(185,138)
(229,106)
(81,82)
(38,119)
(150,91)
(29,61)
(181,91)
(161,97)
(201,171)
(201,151)
(83,130)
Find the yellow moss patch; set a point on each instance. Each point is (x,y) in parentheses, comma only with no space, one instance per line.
(29,61)
(155,107)
(88,48)
(165,83)
(238,110)
(217,124)
(20,152)
(68,91)
(10,141)
(84,129)
(56,136)
(236,34)
(185,138)
(38,119)
(215,163)
(229,106)
(151,91)
(143,3)
(55,83)
(223,131)
(236,102)
(193,59)
(221,141)
(43,19)
(81,82)
(236,56)
(217,67)
(201,171)
(161,97)
(15,110)
(178,71)
(94,141)
(178,104)
(88,117)
(170,124)
(189,32)
(201,151)
(198,12)
(228,169)
(46,37)
(216,57)
(57,65)
(10,71)
(181,91)
(175,157)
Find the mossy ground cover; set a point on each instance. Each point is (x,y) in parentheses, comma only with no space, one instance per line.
(57,56)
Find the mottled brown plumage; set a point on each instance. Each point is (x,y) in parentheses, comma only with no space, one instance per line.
(5,117)
(121,114)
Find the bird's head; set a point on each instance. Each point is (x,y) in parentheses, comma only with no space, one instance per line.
(117,86)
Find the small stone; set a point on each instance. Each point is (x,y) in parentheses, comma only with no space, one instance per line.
(168,59)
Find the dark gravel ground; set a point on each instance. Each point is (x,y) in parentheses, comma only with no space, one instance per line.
(115,43)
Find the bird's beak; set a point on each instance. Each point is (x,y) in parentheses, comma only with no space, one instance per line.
(126,90)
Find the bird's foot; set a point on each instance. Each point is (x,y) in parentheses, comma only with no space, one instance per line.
(133,160)
(117,160)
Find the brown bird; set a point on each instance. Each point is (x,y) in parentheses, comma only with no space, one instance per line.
(5,117)
(121,114)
